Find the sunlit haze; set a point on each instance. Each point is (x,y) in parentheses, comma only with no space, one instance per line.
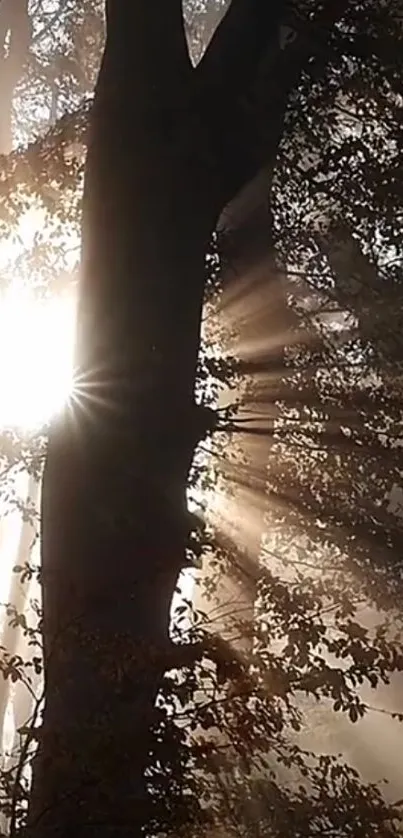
(36,332)
(36,349)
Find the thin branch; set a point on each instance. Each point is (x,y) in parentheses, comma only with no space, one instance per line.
(53,19)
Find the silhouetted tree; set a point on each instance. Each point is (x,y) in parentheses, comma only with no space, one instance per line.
(130,741)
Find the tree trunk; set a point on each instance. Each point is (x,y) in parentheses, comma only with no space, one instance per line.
(15,39)
(11,637)
(114,521)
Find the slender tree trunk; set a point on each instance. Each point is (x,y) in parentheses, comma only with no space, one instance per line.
(11,637)
(361,288)
(15,39)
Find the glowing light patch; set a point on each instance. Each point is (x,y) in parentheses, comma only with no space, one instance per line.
(36,356)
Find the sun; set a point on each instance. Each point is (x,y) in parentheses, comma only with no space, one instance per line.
(37,330)
(36,356)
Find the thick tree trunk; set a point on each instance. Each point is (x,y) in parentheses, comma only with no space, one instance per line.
(114,510)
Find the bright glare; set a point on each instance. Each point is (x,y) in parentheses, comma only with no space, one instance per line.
(36,354)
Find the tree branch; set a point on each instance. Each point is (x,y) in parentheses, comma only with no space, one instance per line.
(248,120)
(239,43)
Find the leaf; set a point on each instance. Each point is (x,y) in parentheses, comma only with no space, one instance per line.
(353,714)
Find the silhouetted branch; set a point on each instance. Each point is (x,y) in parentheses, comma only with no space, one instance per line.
(247,97)
(239,44)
